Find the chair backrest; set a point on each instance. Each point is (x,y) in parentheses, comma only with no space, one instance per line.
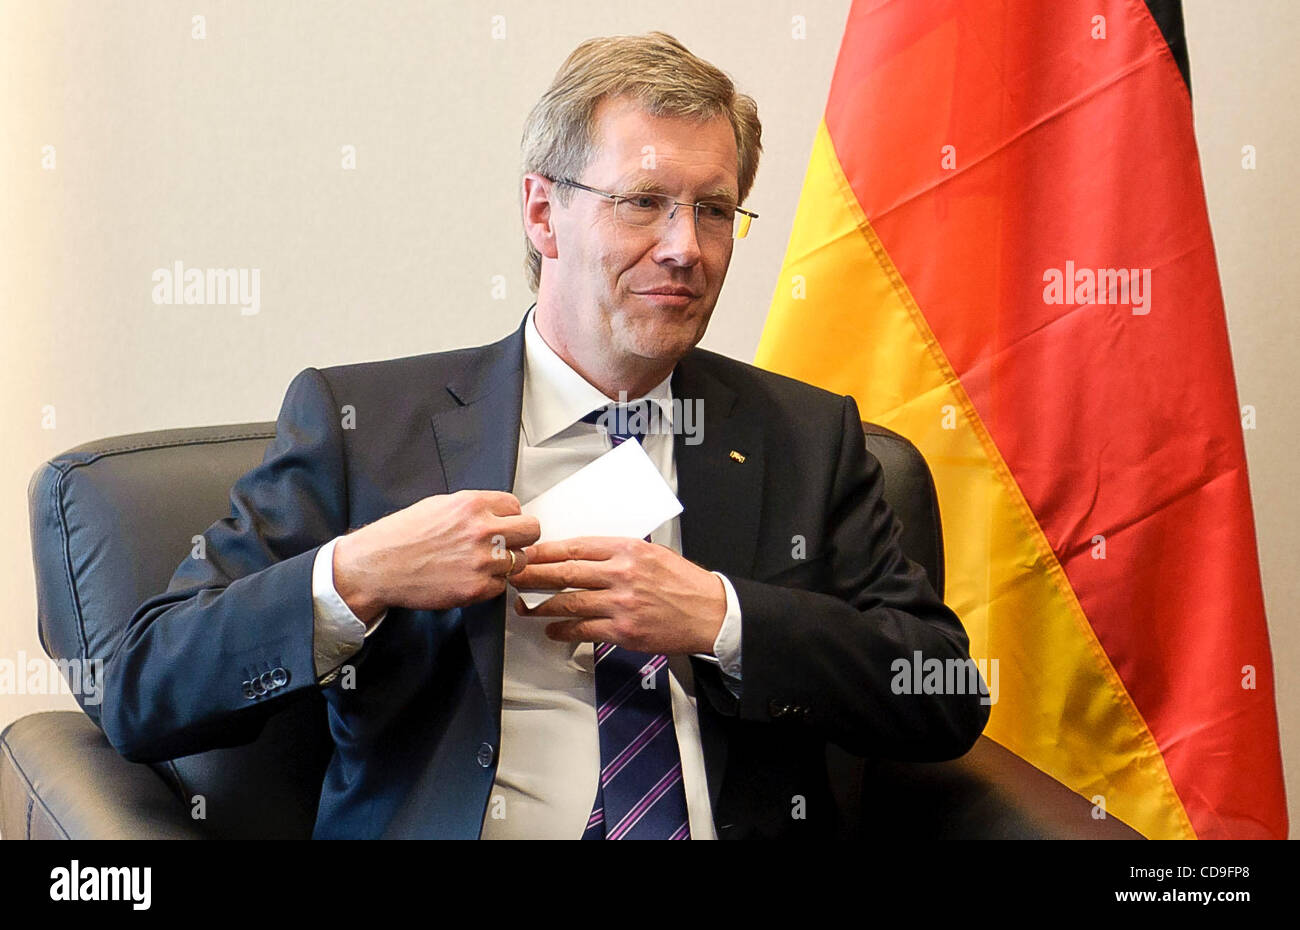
(111,520)
(909,490)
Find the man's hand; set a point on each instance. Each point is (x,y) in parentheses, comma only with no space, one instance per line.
(448,550)
(639,595)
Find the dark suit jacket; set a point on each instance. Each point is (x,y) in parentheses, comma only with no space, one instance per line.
(416,738)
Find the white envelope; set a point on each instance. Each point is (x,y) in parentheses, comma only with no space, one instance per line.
(619,494)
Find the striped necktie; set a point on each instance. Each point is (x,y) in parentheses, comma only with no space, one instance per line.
(639,794)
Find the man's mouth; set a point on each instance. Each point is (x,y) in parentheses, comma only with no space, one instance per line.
(668,296)
(671,291)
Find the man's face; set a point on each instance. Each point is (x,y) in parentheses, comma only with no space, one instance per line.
(605,315)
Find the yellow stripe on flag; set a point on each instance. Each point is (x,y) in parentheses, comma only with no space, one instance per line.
(843,319)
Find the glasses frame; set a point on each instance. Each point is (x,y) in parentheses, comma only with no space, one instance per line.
(740,233)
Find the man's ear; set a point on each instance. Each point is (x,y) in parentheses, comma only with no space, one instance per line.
(537,215)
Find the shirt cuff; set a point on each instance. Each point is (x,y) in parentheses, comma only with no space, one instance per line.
(338,633)
(727,646)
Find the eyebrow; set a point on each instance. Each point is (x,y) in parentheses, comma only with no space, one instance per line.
(646,185)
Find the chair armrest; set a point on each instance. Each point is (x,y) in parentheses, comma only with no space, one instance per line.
(989,793)
(60,779)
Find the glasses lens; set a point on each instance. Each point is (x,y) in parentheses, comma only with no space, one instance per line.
(717,219)
(643,209)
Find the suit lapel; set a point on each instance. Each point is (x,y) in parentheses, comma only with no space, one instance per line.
(719,473)
(478,445)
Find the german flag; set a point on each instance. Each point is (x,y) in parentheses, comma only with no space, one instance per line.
(1002,252)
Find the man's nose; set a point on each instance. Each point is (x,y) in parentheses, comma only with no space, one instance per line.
(678,238)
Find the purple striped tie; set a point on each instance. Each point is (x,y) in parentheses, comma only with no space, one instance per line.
(639,794)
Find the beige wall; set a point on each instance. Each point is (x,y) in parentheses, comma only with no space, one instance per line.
(1245,92)
(225,151)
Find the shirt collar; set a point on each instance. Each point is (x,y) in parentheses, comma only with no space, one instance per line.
(556,396)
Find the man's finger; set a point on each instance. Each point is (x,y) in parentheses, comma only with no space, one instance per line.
(591,548)
(592,630)
(568,604)
(501,503)
(556,576)
(518,531)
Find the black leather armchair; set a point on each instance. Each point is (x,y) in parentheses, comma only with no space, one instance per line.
(111,520)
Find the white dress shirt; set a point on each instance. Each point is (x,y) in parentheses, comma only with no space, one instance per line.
(549,758)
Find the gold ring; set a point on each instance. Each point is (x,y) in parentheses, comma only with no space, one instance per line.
(511,570)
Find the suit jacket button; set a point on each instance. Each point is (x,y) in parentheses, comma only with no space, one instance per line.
(248,691)
(485,755)
(279,676)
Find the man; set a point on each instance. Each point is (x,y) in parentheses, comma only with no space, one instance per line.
(688,687)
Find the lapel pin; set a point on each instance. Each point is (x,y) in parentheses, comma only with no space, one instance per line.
(737,456)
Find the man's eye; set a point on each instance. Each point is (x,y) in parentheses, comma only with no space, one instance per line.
(643,201)
(718,211)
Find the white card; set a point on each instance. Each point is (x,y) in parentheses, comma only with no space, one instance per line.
(619,494)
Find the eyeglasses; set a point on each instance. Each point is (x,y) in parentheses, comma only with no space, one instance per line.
(643,209)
